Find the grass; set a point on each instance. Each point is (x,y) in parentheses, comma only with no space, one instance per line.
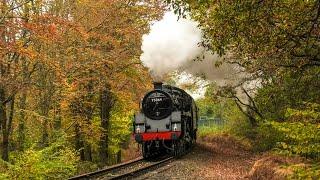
(210,130)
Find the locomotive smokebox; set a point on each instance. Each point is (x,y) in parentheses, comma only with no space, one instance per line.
(157,85)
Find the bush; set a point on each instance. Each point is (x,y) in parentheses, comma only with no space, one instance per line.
(298,135)
(54,162)
(306,172)
(301,132)
(267,137)
(236,123)
(240,127)
(299,138)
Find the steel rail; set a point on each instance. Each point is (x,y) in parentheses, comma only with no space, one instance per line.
(143,170)
(106,170)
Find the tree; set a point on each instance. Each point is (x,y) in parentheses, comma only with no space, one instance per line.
(106,69)
(267,39)
(16,64)
(64,65)
(261,35)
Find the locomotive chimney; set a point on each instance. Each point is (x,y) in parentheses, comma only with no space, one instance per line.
(157,85)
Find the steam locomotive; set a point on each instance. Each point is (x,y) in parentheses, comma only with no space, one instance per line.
(167,121)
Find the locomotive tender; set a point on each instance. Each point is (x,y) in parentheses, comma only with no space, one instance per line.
(167,121)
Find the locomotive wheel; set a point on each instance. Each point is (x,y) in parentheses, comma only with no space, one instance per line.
(175,148)
(184,147)
(178,148)
(145,151)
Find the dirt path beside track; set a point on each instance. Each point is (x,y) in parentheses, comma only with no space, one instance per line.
(212,158)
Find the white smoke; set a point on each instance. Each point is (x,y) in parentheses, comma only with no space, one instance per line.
(222,75)
(170,45)
(173,45)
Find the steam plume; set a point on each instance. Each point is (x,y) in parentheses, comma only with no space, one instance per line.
(173,45)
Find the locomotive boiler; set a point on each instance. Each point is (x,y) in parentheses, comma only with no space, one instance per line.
(167,121)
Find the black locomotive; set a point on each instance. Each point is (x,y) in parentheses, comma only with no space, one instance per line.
(167,121)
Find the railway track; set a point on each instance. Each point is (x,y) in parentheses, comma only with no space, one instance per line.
(125,170)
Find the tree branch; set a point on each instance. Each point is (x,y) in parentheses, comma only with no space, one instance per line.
(254,108)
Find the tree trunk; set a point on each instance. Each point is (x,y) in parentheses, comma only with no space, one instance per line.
(21,126)
(106,103)
(3,119)
(57,119)
(45,134)
(3,116)
(6,123)
(47,87)
(79,142)
(7,132)
(89,108)
(87,152)
(248,113)
(119,156)
(5,144)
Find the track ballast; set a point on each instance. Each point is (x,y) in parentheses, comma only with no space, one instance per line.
(127,170)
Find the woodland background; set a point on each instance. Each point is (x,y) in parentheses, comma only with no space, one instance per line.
(277,44)
(71,78)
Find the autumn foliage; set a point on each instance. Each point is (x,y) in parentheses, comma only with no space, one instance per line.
(70,70)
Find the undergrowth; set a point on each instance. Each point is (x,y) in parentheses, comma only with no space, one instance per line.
(210,130)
